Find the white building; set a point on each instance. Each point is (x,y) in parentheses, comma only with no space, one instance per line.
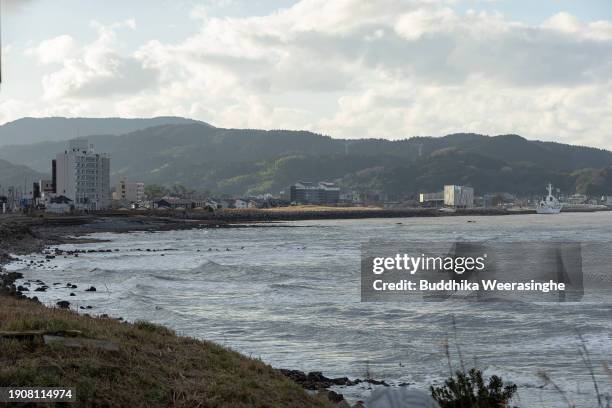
(130,191)
(432,199)
(458,196)
(59,205)
(240,204)
(83,176)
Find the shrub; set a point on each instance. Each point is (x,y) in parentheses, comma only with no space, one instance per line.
(468,390)
(153,328)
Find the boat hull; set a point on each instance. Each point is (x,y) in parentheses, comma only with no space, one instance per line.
(548,210)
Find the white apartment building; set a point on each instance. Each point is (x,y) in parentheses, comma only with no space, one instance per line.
(83,176)
(130,191)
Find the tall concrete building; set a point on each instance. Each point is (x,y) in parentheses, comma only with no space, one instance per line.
(83,176)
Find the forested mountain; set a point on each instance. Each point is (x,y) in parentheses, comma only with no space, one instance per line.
(18,176)
(31,130)
(241,161)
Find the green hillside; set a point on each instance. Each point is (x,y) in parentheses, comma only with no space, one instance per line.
(240,161)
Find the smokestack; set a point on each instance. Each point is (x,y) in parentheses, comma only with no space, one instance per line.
(54,175)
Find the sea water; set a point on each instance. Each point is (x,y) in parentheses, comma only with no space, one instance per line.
(289,294)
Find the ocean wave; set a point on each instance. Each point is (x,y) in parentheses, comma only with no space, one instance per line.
(291,286)
(214,271)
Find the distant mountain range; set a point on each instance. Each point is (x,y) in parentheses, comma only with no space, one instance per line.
(18,176)
(31,130)
(249,161)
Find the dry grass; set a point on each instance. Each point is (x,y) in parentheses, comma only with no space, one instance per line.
(154,367)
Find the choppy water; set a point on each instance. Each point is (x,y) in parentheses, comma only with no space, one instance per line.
(290,296)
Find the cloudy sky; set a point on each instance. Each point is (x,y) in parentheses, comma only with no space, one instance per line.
(347,68)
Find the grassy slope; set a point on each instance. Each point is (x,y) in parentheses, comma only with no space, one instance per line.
(154,367)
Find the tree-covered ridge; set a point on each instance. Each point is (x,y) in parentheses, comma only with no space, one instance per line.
(245,161)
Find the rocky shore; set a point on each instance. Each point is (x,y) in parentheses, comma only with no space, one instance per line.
(20,235)
(300,213)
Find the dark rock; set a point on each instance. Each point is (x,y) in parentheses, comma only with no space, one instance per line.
(72,294)
(41,289)
(316,380)
(335,397)
(63,304)
(22,289)
(91,289)
(377,382)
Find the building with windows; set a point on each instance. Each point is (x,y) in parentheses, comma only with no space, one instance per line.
(458,196)
(432,199)
(83,176)
(314,193)
(131,192)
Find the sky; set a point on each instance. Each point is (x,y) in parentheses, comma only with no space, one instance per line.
(346,68)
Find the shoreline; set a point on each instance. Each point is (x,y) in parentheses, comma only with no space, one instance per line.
(24,235)
(305,213)
(27,235)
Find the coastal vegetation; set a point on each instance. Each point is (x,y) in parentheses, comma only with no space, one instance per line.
(470,389)
(150,366)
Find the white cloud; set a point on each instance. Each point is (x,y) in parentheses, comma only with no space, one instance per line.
(54,50)
(396,69)
(569,24)
(355,68)
(92,70)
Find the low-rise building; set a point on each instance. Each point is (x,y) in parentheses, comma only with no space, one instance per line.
(240,204)
(59,205)
(175,203)
(498,200)
(47,189)
(314,193)
(458,196)
(131,192)
(577,199)
(431,199)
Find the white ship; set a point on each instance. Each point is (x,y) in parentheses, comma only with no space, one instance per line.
(550,204)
